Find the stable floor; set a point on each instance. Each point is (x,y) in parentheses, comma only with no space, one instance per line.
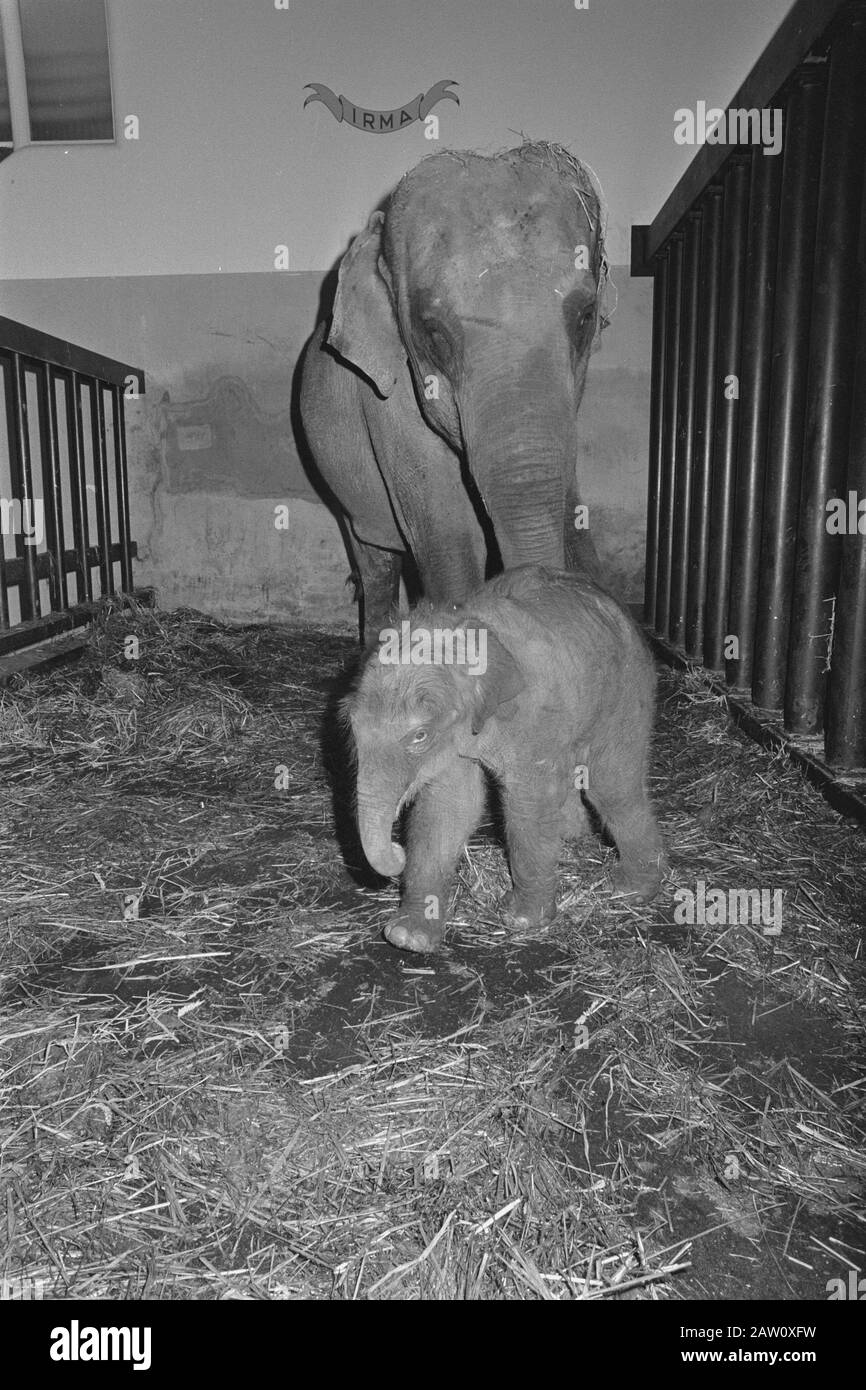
(217,1080)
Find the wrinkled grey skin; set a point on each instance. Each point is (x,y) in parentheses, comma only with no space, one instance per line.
(468,277)
(568,683)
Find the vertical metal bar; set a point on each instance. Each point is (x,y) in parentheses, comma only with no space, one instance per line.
(22,488)
(657,387)
(669,423)
(726,408)
(832,347)
(4,595)
(705,394)
(5,366)
(685,427)
(80,524)
(15,74)
(797,217)
(51,486)
(845,738)
(756,356)
(122,481)
(100,478)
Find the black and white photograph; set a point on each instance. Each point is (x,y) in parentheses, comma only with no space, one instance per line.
(433,665)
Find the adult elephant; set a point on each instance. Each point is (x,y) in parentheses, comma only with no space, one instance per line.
(440,401)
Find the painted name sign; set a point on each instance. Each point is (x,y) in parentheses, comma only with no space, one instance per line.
(381,122)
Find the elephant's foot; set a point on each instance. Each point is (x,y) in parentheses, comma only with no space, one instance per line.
(410,934)
(637,880)
(527,914)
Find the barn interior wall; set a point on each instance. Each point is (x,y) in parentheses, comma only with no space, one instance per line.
(159,248)
(212,453)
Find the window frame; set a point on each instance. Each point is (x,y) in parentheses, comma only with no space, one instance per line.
(16,81)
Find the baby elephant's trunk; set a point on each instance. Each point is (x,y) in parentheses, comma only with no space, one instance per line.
(376,814)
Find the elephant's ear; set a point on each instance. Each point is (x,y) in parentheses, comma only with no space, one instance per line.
(498,685)
(363,325)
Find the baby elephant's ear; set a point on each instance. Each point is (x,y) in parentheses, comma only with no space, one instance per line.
(500,683)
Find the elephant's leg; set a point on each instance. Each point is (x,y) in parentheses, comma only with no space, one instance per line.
(444,815)
(534,824)
(332,407)
(380,586)
(626,811)
(575,822)
(452,566)
(435,513)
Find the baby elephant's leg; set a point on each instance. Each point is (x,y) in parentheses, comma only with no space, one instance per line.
(625,808)
(443,816)
(534,830)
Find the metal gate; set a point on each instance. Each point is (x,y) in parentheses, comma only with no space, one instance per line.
(64,500)
(756,523)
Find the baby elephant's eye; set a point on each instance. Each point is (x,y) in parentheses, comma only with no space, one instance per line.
(419,736)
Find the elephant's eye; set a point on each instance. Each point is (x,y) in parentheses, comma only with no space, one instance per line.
(418,737)
(579,315)
(437,336)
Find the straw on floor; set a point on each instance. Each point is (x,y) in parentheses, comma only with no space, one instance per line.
(217,1081)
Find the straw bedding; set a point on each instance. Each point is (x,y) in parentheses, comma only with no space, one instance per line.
(217,1081)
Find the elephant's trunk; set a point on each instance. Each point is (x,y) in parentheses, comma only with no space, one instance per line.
(526,475)
(378,807)
(520,437)
(527,505)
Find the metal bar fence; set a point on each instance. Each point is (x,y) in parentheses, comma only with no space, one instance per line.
(756,516)
(60,402)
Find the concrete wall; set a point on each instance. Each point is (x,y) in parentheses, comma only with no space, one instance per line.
(226,161)
(211,448)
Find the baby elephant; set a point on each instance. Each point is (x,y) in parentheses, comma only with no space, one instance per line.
(542,679)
